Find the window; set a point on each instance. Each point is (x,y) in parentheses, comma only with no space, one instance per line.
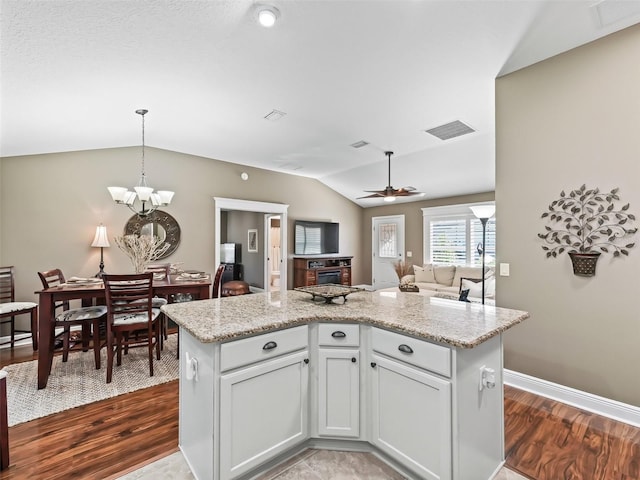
(453,236)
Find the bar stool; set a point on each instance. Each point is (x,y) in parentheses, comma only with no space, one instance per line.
(233,288)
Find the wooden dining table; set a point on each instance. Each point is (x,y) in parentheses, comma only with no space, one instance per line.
(171,288)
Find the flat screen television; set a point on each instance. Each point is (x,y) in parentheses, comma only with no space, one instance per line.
(316,238)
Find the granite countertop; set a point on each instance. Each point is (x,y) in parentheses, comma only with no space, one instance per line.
(458,324)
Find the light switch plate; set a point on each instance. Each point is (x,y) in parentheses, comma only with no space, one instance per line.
(504,269)
(409,254)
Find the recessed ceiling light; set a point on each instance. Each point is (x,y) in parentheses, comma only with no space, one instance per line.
(267,15)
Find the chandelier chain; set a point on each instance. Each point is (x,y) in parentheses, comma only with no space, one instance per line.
(143,173)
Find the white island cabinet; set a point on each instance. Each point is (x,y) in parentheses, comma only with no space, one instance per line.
(338,380)
(263,377)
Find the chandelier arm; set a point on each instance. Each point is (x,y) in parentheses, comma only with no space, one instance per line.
(144,212)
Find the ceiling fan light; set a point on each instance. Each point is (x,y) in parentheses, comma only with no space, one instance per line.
(389,198)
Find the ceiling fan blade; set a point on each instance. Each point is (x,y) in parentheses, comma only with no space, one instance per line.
(389,191)
(373,195)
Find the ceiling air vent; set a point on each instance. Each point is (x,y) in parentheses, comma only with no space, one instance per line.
(274,115)
(450,130)
(610,12)
(360,144)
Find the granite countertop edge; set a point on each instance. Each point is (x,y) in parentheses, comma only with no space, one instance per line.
(202,330)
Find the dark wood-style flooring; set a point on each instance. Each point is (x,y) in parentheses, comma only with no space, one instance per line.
(545,440)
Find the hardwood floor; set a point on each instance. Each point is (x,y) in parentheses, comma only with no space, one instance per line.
(548,440)
(545,440)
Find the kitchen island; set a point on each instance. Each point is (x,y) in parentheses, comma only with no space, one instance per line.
(415,380)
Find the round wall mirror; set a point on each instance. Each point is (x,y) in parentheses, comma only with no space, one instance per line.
(159,224)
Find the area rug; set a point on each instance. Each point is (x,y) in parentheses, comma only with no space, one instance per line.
(77,382)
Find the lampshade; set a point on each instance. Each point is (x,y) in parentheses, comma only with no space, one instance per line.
(483,211)
(101,239)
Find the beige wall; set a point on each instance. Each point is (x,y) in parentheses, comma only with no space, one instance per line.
(51,204)
(570,120)
(413,225)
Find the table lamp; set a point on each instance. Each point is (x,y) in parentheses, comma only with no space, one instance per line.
(101,241)
(483,213)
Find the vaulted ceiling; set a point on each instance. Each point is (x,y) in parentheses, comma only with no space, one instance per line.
(343,71)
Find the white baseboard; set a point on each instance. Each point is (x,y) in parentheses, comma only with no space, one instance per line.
(606,407)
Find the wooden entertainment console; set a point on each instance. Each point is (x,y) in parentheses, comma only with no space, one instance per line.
(318,270)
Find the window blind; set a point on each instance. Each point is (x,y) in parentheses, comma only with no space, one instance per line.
(448,241)
(454,241)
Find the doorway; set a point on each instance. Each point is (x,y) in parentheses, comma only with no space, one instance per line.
(387,236)
(273,248)
(269,209)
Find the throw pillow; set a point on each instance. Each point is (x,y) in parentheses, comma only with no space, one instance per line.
(475,288)
(490,287)
(466,272)
(444,274)
(424,274)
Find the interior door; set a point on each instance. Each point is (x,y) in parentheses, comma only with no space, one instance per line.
(388,247)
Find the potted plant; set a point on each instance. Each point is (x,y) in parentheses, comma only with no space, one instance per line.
(403,269)
(141,249)
(586,223)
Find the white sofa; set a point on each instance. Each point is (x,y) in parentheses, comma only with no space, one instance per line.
(449,280)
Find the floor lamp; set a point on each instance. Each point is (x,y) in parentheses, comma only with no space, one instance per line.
(483,213)
(101,241)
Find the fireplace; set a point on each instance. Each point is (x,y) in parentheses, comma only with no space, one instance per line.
(329,276)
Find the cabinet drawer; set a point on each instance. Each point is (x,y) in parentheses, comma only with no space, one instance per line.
(429,356)
(338,335)
(255,349)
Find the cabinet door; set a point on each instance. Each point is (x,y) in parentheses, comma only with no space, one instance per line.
(411,417)
(346,276)
(263,412)
(339,392)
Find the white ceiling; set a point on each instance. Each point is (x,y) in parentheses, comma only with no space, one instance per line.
(75,71)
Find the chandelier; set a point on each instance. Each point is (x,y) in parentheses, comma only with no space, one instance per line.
(142,200)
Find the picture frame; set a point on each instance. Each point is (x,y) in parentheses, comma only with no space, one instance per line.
(252,240)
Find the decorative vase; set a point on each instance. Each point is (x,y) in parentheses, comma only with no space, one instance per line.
(584,264)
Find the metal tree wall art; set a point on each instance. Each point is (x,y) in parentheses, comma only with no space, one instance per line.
(586,223)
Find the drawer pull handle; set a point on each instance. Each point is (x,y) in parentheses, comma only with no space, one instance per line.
(373,364)
(306,360)
(270,346)
(405,348)
(353,359)
(338,334)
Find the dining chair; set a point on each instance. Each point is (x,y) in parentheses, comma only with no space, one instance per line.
(215,291)
(161,271)
(131,319)
(9,308)
(88,318)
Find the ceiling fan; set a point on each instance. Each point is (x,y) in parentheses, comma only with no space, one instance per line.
(389,194)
